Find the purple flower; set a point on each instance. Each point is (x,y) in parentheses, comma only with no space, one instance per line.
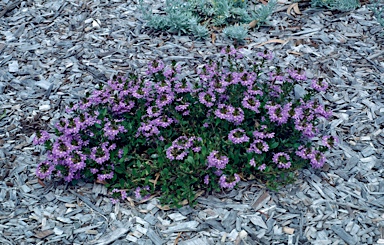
(120,153)
(329,141)
(60,148)
(248,79)
(307,128)
(217,160)
(44,169)
(182,107)
(238,136)
(207,72)
(262,167)
(207,98)
(138,192)
(163,87)
(263,135)
(41,137)
(168,73)
(224,112)
(139,92)
(230,185)
(279,114)
(120,107)
(234,78)
(184,142)
(147,129)
(254,90)
(322,112)
(165,99)
(206,179)
(319,85)
(219,86)
(155,66)
(183,87)
(275,90)
(176,152)
(94,170)
(114,201)
(251,103)
(101,154)
(111,131)
(154,111)
(228,50)
(265,55)
(298,113)
(196,149)
(303,152)
(102,177)
(295,75)
(282,160)
(218,172)
(252,162)
(317,159)
(77,160)
(258,146)
(66,172)
(185,113)
(163,121)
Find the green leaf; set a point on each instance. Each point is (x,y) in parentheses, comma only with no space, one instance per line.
(3,115)
(190,160)
(274,145)
(204,150)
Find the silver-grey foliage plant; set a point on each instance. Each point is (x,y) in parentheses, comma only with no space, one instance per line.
(342,5)
(194,16)
(377,8)
(236,32)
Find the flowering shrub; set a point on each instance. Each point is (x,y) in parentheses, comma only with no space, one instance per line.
(164,133)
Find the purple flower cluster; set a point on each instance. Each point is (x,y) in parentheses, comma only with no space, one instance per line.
(282,160)
(215,159)
(206,179)
(238,136)
(139,192)
(224,184)
(251,103)
(296,75)
(207,98)
(118,195)
(279,114)
(89,142)
(231,51)
(155,66)
(263,134)
(305,115)
(330,141)
(319,85)
(317,159)
(266,55)
(230,113)
(41,137)
(258,146)
(181,146)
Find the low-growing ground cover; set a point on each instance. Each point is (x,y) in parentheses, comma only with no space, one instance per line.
(170,135)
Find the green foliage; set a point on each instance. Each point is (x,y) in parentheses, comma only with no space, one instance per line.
(378,11)
(342,5)
(199,16)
